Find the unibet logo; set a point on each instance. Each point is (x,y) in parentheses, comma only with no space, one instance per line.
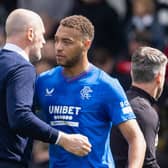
(71,110)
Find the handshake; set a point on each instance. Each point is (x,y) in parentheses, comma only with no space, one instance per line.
(75,143)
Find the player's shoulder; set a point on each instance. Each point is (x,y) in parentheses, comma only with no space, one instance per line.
(102,76)
(106,81)
(49,73)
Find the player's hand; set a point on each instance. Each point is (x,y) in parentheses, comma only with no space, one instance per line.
(75,143)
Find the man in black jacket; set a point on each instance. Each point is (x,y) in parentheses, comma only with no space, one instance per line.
(18,125)
(148,76)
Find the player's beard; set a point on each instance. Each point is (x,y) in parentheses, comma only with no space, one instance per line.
(69,63)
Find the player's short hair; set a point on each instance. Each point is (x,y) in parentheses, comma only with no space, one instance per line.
(81,23)
(146,63)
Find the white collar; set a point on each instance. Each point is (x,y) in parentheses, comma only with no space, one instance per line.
(17,49)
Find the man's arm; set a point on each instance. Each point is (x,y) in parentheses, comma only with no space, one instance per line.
(137,145)
(23,121)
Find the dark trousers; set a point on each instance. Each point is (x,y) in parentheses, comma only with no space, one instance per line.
(11,164)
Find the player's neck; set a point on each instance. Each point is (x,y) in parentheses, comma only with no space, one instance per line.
(76,70)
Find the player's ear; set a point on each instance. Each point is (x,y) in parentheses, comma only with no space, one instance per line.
(87,43)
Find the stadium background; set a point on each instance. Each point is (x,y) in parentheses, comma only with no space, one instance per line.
(120,27)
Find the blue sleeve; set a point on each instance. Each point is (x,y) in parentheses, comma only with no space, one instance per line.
(118,107)
(19,98)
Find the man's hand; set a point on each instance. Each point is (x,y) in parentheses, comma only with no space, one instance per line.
(75,143)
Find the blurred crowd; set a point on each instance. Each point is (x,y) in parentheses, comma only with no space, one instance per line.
(120,28)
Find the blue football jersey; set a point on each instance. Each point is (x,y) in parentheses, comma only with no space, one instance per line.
(88,104)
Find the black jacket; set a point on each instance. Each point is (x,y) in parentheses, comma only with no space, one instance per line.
(147,117)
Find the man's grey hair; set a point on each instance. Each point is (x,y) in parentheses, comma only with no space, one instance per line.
(146,63)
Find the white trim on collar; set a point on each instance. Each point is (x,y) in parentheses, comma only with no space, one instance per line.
(17,49)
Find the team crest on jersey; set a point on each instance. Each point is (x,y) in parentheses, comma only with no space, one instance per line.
(86,92)
(49,92)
